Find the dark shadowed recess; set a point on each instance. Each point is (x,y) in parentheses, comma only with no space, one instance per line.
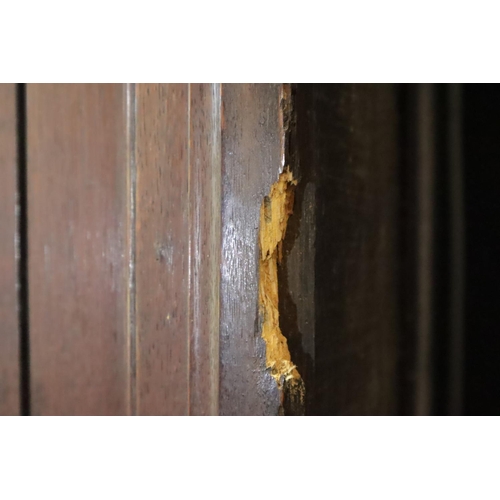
(23,309)
(481,108)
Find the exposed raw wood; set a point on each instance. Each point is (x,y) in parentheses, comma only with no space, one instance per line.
(274,213)
(252,158)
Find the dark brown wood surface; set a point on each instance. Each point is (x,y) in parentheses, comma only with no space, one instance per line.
(9,239)
(425,279)
(353,153)
(252,157)
(177,248)
(78,255)
(456,250)
(296,272)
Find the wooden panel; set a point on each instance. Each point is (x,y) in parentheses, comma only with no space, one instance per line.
(9,330)
(456,251)
(431,250)
(205,217)
(357,316)
(297,269)
(162,258)
(252,157)
(78,265)
(425,157)
(178,247)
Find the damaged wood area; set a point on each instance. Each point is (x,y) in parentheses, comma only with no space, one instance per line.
(274,213)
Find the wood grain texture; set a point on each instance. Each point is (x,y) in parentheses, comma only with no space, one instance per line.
(426,159)
(252,156)
(205,232)
(456,251)
(162,252)
(297,269)
(355,159)
(178,248)
(9,329)
(78,268)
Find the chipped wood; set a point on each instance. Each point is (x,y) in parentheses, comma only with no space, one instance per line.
(274,213)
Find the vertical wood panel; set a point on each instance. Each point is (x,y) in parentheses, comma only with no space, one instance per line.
(178,248)
(456,249)
(425,235)
(9,330)
(77,190)
(205,215)
(162,249)
(355,158)
(252,155)
(296,273)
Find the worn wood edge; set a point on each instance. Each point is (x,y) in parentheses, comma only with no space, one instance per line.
(254,145)
(275,211)
(296,275)
(252,159)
